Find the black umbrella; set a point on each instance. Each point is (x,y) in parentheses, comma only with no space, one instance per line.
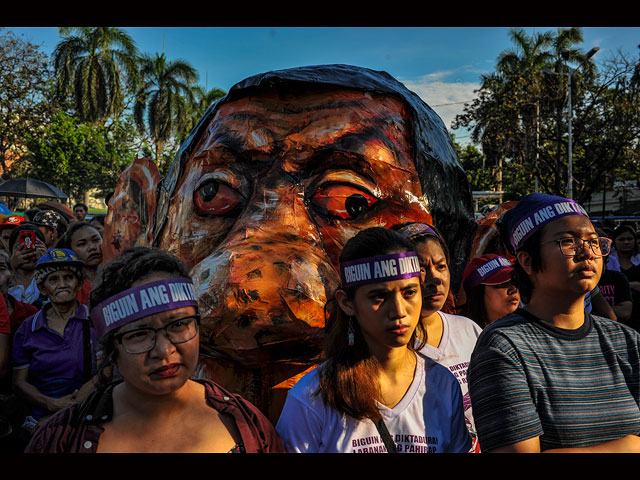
(31,188)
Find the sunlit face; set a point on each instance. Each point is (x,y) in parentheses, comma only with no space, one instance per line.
(276,186)
(86,242)
(387,312)
(435,275)
(500,300)
(561,274)
(165,368)
(61,286)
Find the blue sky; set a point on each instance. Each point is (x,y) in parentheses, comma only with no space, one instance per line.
(441,64)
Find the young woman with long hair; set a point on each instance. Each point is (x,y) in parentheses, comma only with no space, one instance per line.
(551,376)
(372,381)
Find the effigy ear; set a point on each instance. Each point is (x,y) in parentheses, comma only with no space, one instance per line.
(487,238)
(132,207)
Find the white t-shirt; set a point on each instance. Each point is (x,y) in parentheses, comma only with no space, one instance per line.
(419,423)
(459,337)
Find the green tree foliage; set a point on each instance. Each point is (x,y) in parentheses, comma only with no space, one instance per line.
(519,118)
(24,104)
(165,101)
(93,66)
(202,101)
(77,157)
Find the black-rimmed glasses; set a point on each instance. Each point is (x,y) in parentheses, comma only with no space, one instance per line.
(141,340)
(570,247)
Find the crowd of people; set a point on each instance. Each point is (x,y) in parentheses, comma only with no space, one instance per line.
(538,351)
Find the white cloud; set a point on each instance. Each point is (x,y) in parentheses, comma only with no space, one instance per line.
(447,98)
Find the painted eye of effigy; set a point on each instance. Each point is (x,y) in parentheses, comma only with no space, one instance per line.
(342,200)
(216,198)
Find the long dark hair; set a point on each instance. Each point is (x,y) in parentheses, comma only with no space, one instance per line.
(348,375)
(118,275)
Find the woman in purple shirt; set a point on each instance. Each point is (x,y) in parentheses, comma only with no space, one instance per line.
(53,354)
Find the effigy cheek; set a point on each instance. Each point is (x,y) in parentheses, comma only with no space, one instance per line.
(263,303)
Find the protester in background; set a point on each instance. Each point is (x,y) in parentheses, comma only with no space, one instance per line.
(23,260)
(86,242)
(156,406)
(48,221)
(541,377)
(54,351)
(615,288)
(80,211)
(489,290)
(372,381)
(6,227)
(12,410)
(16,313)
(61,208)
(450,338)
(626,259)
(97,222)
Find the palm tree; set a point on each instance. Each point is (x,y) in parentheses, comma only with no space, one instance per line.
(164,101)
(530,55)
(93,65)
(202,101)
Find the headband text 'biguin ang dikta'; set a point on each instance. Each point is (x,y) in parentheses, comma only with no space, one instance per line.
(141,301)
(382,268)
(541,215)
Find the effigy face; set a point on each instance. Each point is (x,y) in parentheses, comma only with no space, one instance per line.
(271,193)
(265,192)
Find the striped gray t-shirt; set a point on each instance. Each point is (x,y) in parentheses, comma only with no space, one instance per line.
(572,388)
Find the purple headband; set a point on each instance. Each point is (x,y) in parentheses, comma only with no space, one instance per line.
(480,274)
(383,268)
(416,230)
(548,212)
(141,301)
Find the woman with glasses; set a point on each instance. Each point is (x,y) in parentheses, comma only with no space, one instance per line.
(550,376)
(373,393)
(145,313)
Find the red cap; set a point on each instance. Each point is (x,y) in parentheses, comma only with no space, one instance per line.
(487,269)
(12,221)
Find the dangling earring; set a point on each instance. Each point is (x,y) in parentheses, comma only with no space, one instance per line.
(351,336)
